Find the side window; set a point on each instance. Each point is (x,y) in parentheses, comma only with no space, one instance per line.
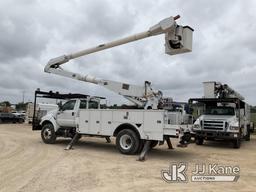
(93,105)
(83,104)
(69,105)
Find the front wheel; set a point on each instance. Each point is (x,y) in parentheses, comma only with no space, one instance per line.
(237,143)
(48,134)
(21,120)
(127,142)
(199,140)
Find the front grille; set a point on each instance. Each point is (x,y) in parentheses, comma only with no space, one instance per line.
(213,125)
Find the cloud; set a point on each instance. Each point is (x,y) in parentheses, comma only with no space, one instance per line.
(32,32)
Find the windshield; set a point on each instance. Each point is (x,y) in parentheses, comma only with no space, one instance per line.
(220,111)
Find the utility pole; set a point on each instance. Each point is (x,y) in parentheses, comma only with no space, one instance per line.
(23,96)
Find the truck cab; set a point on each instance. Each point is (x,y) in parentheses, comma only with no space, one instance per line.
(66,114)
(225,119)
(221,114)
(60,121)
(63,120)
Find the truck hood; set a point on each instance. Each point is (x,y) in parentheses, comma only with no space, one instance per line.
(52,112)
(49,115)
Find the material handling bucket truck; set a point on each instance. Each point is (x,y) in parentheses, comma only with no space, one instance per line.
(225,115)
(132,128)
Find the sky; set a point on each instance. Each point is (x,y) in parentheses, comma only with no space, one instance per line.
(34,31)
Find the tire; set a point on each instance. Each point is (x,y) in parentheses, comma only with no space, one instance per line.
(188,137)
(199,140)
(48,134)
(21,121)
(237,143)
(128,142)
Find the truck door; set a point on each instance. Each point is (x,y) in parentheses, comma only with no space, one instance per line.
(66,115)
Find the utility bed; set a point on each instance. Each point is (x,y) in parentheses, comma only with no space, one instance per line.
(151,124)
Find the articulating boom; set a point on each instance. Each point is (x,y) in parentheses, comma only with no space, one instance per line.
(178,40)
(214,89)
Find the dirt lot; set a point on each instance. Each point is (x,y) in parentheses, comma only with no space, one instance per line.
(27,164)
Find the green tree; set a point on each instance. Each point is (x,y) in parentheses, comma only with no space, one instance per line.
(253,109)
(5,104)
(21,106)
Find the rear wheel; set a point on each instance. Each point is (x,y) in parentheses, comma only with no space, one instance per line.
(48,134)
(127,142)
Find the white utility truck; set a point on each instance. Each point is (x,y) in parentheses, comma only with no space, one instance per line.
(225,115)
(132,127)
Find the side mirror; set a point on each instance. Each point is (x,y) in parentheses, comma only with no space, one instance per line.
(60,106)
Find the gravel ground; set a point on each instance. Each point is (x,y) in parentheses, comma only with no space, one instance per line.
(27,164)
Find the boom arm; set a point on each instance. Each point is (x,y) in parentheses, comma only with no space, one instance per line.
(178,40)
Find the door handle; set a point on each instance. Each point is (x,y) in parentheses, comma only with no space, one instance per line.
(73,113)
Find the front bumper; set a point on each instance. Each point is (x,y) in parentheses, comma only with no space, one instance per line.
(216,134)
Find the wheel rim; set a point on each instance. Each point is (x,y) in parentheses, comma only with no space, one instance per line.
(126,142)
(47,133)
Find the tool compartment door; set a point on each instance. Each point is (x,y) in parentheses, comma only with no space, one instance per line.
(153,124)
(106,122)
(83,122)
(95,121)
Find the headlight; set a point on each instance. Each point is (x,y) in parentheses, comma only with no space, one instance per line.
(233,128)
(196,126)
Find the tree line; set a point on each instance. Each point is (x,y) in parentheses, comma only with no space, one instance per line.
(19,106)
